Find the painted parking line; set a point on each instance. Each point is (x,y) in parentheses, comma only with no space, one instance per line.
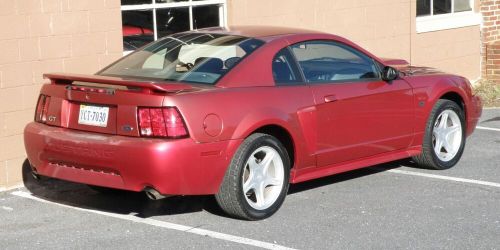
(443,177)
(487,128)
(163,224)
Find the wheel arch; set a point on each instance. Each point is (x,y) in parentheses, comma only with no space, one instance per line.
(458,99)
(454,97)
(274,122)
(283,135)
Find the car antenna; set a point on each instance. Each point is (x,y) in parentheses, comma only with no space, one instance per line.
(410,71)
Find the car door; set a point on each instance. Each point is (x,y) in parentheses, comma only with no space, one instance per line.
(358,114)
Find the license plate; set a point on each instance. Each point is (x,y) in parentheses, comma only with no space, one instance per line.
(93,115)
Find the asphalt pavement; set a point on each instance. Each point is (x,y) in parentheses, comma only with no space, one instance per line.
(388,206)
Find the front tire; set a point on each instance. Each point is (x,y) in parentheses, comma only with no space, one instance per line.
(257,180)
(444,138)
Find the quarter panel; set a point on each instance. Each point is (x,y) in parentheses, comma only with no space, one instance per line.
(244,110)
(428,89)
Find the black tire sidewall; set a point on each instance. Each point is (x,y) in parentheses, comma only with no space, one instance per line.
(442,106)
(265,140)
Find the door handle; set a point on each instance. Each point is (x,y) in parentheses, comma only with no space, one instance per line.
(330,98)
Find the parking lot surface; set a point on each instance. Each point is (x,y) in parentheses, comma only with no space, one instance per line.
(388,206)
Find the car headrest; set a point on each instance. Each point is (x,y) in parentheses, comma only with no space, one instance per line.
(209,64)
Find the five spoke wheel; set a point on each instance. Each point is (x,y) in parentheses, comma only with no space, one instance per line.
(257,180)
(444,138)
(447,135)
(263,177)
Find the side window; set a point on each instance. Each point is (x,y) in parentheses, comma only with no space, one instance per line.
(328,61)
(285,71)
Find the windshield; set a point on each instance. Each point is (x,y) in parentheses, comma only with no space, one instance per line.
(185,57)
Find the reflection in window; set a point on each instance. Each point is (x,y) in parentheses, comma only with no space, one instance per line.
(284,69)
(442,7)
(423,7)
(169,21)
(325,61)
(205,16)
(147,20)
(137,28)
(462,5)
(191,58)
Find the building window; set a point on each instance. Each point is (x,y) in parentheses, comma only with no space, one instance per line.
(144,21)
(442,7)
(433,15)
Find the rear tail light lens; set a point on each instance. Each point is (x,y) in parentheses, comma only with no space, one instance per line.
(174,123)
(161,122)
(42,107)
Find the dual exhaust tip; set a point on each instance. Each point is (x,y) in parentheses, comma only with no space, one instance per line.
(151,193)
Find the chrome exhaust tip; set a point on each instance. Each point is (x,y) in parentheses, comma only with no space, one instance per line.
(35,175)
(154,195)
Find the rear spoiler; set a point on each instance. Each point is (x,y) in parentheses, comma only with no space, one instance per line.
(155,86)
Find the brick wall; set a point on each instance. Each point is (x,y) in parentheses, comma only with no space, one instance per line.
(39,36)
(490,37)
(384,27)
(363,22)
(492,61)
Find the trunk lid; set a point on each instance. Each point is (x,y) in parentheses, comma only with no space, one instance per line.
(103,104)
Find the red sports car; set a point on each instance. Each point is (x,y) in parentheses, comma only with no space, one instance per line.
(243,112)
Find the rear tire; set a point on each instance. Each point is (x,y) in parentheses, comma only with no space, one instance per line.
(444,138)
(256,182)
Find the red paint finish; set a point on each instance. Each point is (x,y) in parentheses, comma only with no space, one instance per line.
(172,166)
(134,31)
(366,119)
(334,127)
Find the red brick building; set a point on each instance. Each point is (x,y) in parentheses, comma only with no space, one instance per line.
(490,38)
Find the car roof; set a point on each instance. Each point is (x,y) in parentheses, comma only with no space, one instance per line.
(260,32)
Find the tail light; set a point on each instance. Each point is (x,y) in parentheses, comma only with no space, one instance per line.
(161,122)
(41,108)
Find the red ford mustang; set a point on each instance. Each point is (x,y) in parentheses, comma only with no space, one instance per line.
(243,112)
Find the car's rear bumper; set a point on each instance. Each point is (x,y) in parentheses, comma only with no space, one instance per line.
(474,113)
(179,166)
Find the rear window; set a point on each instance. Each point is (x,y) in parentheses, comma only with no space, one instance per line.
(185,57)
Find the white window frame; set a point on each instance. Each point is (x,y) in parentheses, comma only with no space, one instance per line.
(448,21)
(190,4)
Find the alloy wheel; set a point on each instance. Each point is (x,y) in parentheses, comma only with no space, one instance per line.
(447,135)
(263,178)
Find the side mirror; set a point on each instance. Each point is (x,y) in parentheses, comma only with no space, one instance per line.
(389,73)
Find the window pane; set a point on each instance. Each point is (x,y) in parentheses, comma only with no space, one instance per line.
(423,7)
(462,5)
(442,7)
(132,2)
(205,16)
(284,69)
(172,20)
(188,57)
(323,61)
(137,26)
(170,1)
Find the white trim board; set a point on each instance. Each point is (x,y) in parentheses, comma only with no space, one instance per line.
(447,21)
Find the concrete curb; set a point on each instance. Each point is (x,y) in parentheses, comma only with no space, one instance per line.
(3,189)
